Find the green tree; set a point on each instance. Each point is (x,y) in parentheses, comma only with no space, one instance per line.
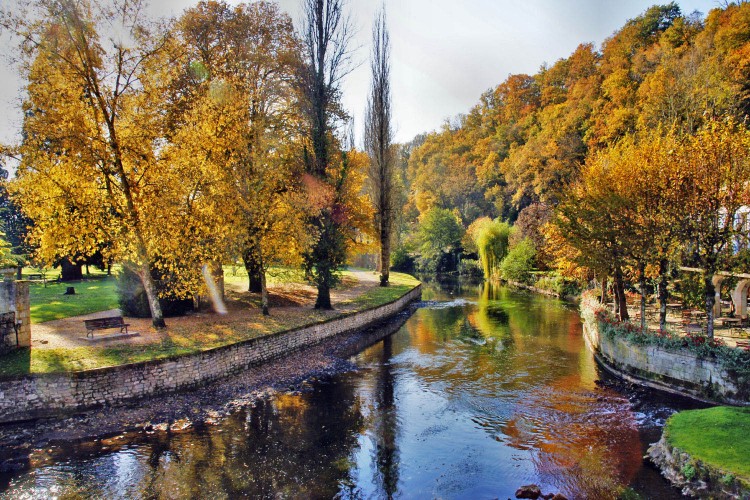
(440,233)
(519,262)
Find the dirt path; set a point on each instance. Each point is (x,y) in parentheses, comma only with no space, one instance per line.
(288,302)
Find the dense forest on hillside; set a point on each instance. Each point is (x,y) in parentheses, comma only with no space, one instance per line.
(516,154)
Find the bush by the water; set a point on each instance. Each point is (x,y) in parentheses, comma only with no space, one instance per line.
(518,264)
(557,284)
(401,260)
(470,268)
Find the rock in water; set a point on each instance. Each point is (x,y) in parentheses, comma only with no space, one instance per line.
(529,491)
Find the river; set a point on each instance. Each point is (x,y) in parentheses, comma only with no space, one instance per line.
(483,389)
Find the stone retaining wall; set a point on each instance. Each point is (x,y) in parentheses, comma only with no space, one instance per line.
(42,395)
(677,372)
(694,477)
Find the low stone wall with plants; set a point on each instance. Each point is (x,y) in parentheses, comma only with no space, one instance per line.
(44,395)
(692,365)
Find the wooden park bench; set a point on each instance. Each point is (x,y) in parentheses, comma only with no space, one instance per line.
(8,326)
(34,276)
(104,324)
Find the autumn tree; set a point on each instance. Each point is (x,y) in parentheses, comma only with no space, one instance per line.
(378,142)
(248,57)
(717,161)
(594,219)
(326,34)
(93,120)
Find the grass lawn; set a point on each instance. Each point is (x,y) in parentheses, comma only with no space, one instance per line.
(184,335)
(236,277)
(48,303)
(184,338)
(399,285)
(719,437)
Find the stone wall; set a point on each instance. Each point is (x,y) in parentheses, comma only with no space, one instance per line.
(14,296)
(676,371)
(42,395)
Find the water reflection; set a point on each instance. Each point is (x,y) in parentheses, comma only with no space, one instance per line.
(470,399)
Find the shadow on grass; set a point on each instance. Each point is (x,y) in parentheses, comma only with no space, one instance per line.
(16,362)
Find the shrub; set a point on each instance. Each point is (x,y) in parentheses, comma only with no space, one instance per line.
(727,479)
(519,262)
(471,268)
(134,303)
(401,260)
(559,285)
(688,471)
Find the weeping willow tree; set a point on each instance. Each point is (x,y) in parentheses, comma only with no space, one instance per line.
(493,242)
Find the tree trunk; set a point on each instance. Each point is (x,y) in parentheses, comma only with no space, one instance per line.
(603,298)
(70,271)
(254,270)
(264,294)
(663,295)
(157,317)
(710,300)
(615,300)
(642,283)
(324,296)
(622,306)
(385,257)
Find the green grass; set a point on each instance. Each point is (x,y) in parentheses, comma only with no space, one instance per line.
(49,303)
(399,285)
(237,276)
(718,437)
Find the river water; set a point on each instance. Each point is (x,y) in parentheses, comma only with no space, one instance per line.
(483,389)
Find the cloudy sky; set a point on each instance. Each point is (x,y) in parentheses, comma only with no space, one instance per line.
(445,52)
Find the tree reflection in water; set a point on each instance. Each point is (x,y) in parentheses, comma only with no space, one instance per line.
(470,399)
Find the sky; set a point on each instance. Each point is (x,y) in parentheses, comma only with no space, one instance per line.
(445,53)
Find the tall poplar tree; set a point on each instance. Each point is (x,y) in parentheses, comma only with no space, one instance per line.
(378,141)
(326,36)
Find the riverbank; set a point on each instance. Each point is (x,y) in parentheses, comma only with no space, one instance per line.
(61,345)
(691,367)
(704,452)
(108,428)
(48,394)
(573,299)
